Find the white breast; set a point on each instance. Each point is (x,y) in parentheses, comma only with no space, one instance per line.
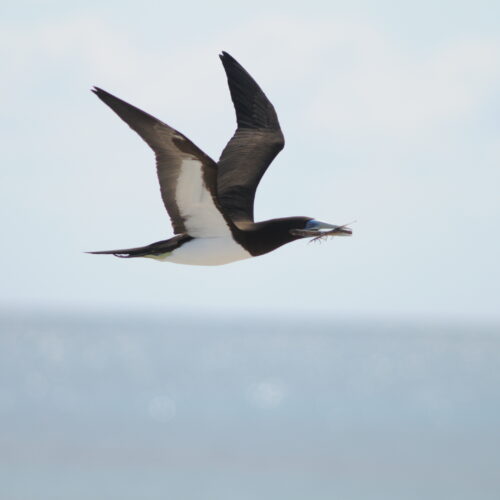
(208,252)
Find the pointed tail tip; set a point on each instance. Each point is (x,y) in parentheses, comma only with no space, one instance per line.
(121,255)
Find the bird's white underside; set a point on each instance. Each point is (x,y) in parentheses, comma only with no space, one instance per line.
(201,217)
(207,252)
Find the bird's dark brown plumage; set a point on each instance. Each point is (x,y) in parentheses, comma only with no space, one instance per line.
(170,148)
(255,144)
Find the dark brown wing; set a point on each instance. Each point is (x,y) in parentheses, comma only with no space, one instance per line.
(256,142)
(187,175)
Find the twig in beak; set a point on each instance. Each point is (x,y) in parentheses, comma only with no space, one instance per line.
(333,232)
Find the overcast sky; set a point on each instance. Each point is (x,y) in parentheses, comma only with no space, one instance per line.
(390,112)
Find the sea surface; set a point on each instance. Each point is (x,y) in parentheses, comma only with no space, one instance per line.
(196,407)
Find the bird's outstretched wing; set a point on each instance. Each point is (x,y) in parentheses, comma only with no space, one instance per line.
(187,175)
(256,142)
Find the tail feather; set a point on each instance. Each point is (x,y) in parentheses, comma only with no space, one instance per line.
(154,249)
(127,253)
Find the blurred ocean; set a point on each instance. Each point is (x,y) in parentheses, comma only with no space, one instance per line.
(198,407)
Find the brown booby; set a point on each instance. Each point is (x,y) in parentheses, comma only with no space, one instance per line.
(210,203)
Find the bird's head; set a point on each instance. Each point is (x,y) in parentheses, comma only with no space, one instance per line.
(266,236)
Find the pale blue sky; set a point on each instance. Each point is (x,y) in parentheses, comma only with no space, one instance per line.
(391,115)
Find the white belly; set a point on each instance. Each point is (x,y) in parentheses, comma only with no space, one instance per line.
(207,252)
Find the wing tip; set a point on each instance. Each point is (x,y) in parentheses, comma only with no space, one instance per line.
(228,60)
(105,96)
(99,92)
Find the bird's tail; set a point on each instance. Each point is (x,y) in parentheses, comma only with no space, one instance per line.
(127,253)
(154,250)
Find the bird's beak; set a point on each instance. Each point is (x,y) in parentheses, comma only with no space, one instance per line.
(318,229)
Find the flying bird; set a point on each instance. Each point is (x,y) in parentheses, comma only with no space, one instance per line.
(210,203)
